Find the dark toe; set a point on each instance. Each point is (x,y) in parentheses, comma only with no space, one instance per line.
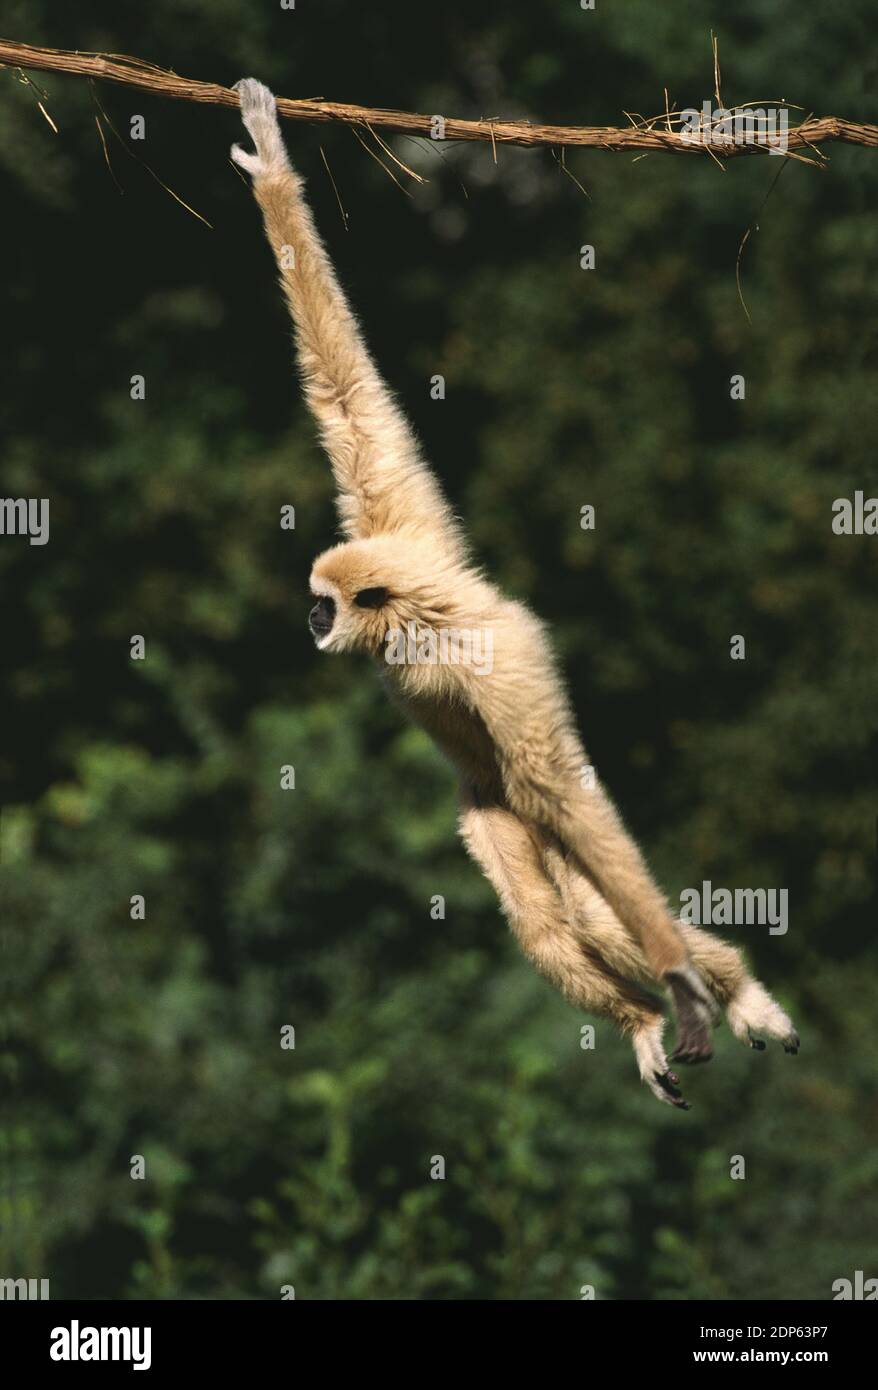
(668,1082)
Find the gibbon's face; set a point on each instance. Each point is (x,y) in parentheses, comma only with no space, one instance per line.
(357,587)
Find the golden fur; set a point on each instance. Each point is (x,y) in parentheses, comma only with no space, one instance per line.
(572,882)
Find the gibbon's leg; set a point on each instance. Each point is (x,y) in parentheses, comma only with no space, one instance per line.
(510,856)
(587,822)
(383,485)
(749,1007)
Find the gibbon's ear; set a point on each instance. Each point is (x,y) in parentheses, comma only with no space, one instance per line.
(371,598)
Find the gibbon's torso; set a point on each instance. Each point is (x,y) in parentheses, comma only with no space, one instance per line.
(458,731)
(515,689)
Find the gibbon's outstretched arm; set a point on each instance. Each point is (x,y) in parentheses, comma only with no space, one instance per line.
(383,484)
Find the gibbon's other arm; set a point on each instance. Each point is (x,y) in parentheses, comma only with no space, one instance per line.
(383,484)
(514,857)
(540,759)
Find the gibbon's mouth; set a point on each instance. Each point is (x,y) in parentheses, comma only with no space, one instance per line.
(322,616)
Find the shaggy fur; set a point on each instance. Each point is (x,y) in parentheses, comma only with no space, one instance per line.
(572,882)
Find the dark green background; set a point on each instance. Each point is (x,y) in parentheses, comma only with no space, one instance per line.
(565,387)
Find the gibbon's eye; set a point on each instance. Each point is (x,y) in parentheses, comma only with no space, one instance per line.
(370,598)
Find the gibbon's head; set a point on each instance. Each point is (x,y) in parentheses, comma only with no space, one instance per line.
(366,589)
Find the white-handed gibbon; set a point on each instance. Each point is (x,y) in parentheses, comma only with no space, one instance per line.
(573,884)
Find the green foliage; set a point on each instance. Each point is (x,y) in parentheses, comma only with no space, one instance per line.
(418,1037)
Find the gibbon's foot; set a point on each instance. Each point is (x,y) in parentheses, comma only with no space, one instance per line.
(695,1012)
(259,114)
(653,1065)
(791,1044)
(751,1011)
(668,1083)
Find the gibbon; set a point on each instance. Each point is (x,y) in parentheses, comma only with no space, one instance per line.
(571,881)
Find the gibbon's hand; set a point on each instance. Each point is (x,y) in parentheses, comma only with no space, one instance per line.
(696,1012)
(259,114)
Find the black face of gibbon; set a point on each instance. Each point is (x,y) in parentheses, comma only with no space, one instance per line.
(322,616)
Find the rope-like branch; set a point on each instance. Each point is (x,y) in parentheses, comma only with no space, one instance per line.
(656,133)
